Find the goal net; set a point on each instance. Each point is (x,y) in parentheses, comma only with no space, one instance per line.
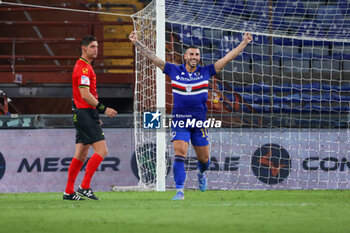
(283,102)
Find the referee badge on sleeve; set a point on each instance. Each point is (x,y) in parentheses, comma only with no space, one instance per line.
(85,80)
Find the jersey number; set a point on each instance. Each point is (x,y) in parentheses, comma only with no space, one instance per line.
(204,132)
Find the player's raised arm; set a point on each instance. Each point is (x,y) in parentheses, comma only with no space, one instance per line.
(146,51)
(233,53)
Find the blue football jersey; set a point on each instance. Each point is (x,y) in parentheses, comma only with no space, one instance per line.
(190,90)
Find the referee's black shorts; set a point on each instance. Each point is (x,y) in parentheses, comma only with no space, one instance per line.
(87,125)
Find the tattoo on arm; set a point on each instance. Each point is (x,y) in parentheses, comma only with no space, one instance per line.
(145,51)
(150,54)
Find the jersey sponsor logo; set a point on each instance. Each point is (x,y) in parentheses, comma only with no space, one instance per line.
(197,75)
(85,80)
(186,79)
(85,70)
(271,164)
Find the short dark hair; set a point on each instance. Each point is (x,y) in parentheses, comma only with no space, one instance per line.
(191,47)
(86,41)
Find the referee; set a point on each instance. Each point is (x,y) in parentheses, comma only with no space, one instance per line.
(86,122)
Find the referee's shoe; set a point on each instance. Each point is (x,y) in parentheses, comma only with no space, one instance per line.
(87,193)
(72,197)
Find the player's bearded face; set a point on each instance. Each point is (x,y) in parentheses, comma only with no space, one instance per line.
(91,50)
(192,57)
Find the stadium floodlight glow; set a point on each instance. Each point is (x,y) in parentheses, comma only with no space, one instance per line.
(282,101)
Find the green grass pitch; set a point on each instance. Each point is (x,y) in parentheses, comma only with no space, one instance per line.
(212,211)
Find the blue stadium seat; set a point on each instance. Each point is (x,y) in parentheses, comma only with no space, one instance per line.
(280,50)
(290,8)
(315,86)
(197,36)
(186,34)
(344,6)
(341,29)
(175,28)
(286,46)
(289,23)
(207,9)
(254,7)
(287,100)
(326,63)
(278,20)
(311,7)
(256,24)
(282,88)
(338,97)
(294,98)
(344,87)
(310,29)
(207,37)
(345,65)
(233,7)
(217,54)
(216,37)
(229,42)
(296,67)
(319,97)
(316,108)
(258,49)
(239,65)
(256,98)
(261,64)
(179,11)
(328,15)
(212,15)
(247,89)
(259,39)
(207,56)
(191,35)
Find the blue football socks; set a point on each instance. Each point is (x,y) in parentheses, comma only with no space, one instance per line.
(202,167)
(179,171)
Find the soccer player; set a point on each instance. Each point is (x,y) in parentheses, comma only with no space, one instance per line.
(87,123)
(190,91)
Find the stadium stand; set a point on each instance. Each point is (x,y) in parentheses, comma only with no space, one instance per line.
(26,58)
(294,58)
(39,48)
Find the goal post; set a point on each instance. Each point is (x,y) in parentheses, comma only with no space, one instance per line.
(160,86)
(283,102)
